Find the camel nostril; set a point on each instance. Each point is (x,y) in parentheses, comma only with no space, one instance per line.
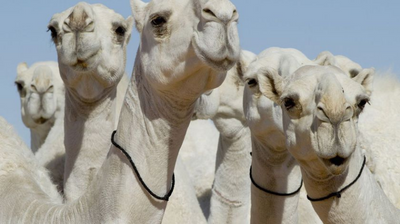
(337,160)
(208,11)
(322,115)
(33,87)
(50,89)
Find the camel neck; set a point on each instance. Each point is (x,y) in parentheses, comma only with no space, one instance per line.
(39,135)
(276,170)
(350,207)
(87,132)
(231,186)
(151,129)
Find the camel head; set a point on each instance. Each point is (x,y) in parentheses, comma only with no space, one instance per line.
(263,116)
(320,109)
(91,45)
(41,93)
(180,38)
(348,66)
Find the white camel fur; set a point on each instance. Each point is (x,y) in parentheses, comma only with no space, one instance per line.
(42,110)
(91,67)
(42,102)
(230,201)
(230,194)
(378,129)
(156,112)
(85,158)
(320,108)
(273,168)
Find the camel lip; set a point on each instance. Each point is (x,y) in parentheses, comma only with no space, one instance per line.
(222,64)
(85,64)
(41,120)
(337,160)
(225,60)
(336,165)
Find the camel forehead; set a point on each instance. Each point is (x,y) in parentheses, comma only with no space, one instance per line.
(272,58)
(43,70)
(42,75)
(173,6)
(98,11)
(28,74)
(25,76)
(350,87)
(174,3)
(102,11)
(308,79)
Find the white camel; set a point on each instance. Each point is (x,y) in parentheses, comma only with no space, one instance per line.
(19,171)
(230,195)
(320,107)
(91,67)
(182,206)
(156,112)
(378,129)
(379,133)
(42,93)
(197,153)
(273,168)
(85,156)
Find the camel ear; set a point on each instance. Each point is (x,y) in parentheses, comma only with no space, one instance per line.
(365,78)
(22,67)
(325,58)
(245,58)
(270,83)
(288,65)
(139,12)
(129,23)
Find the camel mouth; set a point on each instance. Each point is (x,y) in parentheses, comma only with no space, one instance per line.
(220,65)
(223,63)
(41,120)
(336,165)
(86,64)
(337,161)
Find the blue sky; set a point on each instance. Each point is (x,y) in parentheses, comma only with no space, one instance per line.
(368,32)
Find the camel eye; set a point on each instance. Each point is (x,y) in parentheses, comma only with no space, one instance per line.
(353,73)
(252,82)
(19,86)
(289,103)
(53,32)
(158,21)
(120,31)
(362,103)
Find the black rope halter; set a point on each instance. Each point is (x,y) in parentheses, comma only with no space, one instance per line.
(272,192)
(165,197)
(338,194)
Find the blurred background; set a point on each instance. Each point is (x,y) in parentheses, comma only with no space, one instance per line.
(368,32)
